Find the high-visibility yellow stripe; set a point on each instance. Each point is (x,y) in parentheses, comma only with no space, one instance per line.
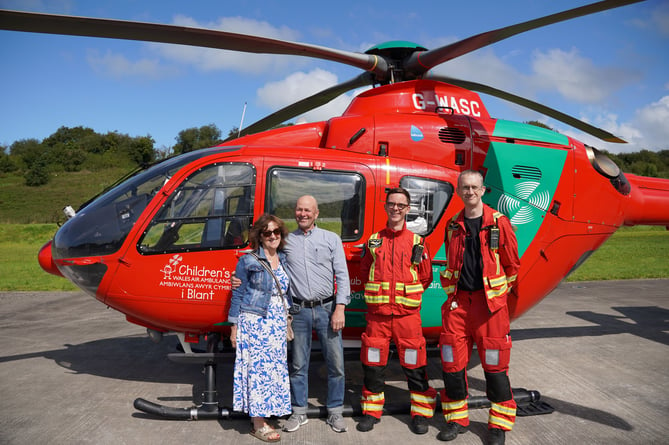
(407,301)
(413,288)
(421,398)
(505,410)
(375,397)
(456,415)
(387,171)
(493,293)
(497,281)
(458,404)
(450,232)
(378,299)
(373,287)
(373,252)
(371,407)
(503,423)
(423,411)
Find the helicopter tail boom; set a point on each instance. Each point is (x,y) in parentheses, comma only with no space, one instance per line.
(649,203)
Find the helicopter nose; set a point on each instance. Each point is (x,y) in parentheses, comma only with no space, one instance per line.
(46,260)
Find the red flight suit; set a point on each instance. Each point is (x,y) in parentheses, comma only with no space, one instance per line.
(480,317)
(393,293)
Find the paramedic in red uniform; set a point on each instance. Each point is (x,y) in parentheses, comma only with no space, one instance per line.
(397,268)
(483,262)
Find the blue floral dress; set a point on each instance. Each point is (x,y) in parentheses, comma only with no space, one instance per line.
(261,385)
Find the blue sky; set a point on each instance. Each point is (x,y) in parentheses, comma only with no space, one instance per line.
(609,69)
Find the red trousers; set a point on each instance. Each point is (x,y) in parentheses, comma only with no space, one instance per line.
(407,334)
(466,320)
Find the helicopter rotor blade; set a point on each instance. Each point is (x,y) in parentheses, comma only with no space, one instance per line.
(547,111)
(419,63)
(307,104)
(200,37)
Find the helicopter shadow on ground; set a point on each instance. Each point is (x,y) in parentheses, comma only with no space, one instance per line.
(648,322)
(132,358)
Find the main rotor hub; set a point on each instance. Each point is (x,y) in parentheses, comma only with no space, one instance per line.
(395,53)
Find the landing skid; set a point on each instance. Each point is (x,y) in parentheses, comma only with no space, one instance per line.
(210,408)
(529,403)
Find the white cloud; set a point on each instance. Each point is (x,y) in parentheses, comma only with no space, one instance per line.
(646,130)
(660,18)
(484,67)
(117,66)
(299,85)
(575,77)
(653,123)
(208,59)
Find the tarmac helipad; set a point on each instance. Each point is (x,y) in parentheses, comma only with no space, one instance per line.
(598,352)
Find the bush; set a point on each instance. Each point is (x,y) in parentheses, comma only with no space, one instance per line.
(38,174)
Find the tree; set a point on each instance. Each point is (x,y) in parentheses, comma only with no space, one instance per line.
(28,151)
(7,164)
(141,151)
(37,174)
(195,138)
(66,135)
(232,134)
(539,124)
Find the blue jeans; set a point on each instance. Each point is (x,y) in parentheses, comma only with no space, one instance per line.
(304,321)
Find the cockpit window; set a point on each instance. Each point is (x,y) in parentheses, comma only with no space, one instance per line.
(429,199)
(211,209)
(340,197)
(101,227)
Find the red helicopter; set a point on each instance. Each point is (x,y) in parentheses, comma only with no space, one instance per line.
(160,247)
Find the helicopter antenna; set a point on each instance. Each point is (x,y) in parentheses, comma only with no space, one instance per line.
(239,131)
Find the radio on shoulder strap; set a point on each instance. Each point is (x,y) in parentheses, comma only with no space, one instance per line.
(417,252)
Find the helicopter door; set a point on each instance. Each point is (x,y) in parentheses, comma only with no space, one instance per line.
(187,251)
(211,209)
(342,196)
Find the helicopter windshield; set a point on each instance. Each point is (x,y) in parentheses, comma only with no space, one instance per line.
(101,227)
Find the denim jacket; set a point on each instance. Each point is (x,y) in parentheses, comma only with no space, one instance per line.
(256,289)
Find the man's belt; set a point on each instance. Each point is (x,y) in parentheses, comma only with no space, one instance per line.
(312,303)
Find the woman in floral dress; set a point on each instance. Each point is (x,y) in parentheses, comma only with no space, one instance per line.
(258,313)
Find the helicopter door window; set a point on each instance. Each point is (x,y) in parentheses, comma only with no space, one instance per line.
(211,209)
(429,199)
(340,197)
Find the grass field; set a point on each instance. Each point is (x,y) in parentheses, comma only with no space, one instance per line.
(44,204)
(632,252)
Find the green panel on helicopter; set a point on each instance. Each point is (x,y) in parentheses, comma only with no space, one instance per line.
(521,182)
(518,130)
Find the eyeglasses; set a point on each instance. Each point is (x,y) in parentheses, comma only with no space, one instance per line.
(399,206)
(473,188)
(268,233)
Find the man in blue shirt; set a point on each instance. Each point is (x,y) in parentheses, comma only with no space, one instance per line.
(315,261)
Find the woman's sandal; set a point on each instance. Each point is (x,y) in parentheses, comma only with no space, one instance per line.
(266,434)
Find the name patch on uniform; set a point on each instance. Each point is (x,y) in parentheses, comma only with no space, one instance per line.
(373,243)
